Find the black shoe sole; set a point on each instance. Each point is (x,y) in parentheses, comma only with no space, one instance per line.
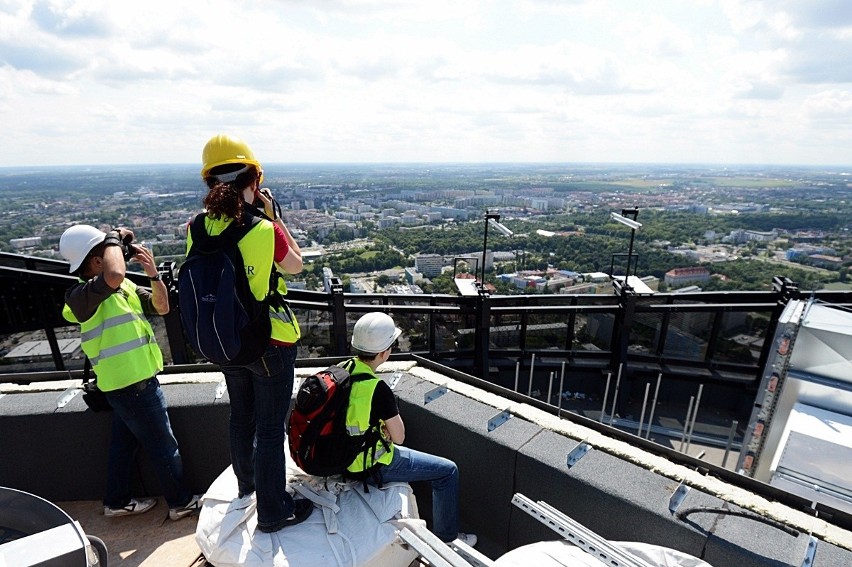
(303,511)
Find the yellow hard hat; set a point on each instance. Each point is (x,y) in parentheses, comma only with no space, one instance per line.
(222,149)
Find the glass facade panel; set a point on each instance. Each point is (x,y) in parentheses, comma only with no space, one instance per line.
(741,337)
(316,329)
(593,331)
(505,332)
(549,331)
(455,332)
(687,335)
(645,333)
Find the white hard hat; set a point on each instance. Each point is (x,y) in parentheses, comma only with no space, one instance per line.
(374,333)
(76,243)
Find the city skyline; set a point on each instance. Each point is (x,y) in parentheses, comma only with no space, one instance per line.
(715,82)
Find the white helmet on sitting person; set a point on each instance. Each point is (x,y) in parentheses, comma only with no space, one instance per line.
(374,332)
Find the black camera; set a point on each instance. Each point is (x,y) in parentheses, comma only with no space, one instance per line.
(127,248)
(257,201)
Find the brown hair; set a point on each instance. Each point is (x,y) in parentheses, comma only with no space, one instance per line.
(366,356)
(225,200)
(96,251)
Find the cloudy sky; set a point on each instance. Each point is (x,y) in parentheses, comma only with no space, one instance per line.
(660,81)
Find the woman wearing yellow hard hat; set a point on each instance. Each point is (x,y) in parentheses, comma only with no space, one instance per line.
(260,391)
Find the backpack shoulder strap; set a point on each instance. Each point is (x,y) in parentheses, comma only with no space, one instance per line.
(226,239)
(197,230)
(235,232)
(348,365)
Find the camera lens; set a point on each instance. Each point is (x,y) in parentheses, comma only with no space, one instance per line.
(128,248)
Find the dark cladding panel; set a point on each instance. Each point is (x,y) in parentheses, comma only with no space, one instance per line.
(456,427)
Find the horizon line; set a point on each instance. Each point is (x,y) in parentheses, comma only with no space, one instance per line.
(453,163)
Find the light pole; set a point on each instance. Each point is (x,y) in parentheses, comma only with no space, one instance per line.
(634,226)
(494,220)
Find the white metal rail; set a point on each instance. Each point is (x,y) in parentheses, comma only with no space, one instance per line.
(578,534)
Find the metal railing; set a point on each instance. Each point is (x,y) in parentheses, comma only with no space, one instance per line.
(720,340)
(715,336)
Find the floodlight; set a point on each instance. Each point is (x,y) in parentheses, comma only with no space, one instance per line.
(505,231)
(626,221)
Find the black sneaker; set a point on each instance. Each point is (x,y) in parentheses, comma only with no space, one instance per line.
(302,512)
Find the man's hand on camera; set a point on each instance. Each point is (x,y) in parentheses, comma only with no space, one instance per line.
(125,235)
(145,258)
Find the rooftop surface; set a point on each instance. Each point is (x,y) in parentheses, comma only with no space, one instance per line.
(525,453)
(146,540)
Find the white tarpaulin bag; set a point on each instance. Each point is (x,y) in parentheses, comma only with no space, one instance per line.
(347,527)
(563,554)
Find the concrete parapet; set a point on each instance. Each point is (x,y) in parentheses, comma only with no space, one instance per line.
(616,491)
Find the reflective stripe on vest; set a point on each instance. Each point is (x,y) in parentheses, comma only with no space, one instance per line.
(121,349)
(107,324)
(285,327)
(119,341)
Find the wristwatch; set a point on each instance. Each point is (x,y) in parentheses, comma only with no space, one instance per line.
(113,237)
(156,278)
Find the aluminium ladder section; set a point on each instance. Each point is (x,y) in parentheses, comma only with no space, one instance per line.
(439,553)
(577,534)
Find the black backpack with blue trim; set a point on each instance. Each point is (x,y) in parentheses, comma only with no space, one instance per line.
(222,319)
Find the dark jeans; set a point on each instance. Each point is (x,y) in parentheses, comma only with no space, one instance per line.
(409,465)
(140,418)
(260,395)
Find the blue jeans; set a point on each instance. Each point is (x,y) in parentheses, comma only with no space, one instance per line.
(140,418)
(260,395)
(409,465)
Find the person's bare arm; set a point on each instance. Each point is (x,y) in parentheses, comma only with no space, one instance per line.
(395,429)
(113,263)
(159,293)
(292,262)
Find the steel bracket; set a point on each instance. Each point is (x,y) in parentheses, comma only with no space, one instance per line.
(434,394)
(221,388)
(498,420)
(67,396)
(678,497)
(577,453)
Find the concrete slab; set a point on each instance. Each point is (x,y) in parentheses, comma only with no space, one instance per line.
(146,540)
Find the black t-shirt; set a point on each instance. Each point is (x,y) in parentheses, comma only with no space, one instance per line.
(383,404)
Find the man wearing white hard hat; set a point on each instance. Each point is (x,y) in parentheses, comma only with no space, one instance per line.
(372,404)
(119,342)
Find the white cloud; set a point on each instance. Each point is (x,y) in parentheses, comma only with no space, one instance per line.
(403,80)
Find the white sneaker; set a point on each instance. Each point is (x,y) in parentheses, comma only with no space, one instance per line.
(188,509)
(135,506)
(467,539)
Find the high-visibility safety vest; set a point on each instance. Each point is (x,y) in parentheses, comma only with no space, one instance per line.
(258,249)
(285,327)
(358,416)
(118,340)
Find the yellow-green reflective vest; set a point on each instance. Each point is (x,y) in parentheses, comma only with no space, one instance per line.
(285,327)
(119,341)
(258,251)
(358,416)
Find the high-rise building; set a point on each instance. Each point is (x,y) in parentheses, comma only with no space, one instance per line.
(429,265)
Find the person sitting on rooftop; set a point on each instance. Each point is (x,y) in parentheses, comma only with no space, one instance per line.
(372,402)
